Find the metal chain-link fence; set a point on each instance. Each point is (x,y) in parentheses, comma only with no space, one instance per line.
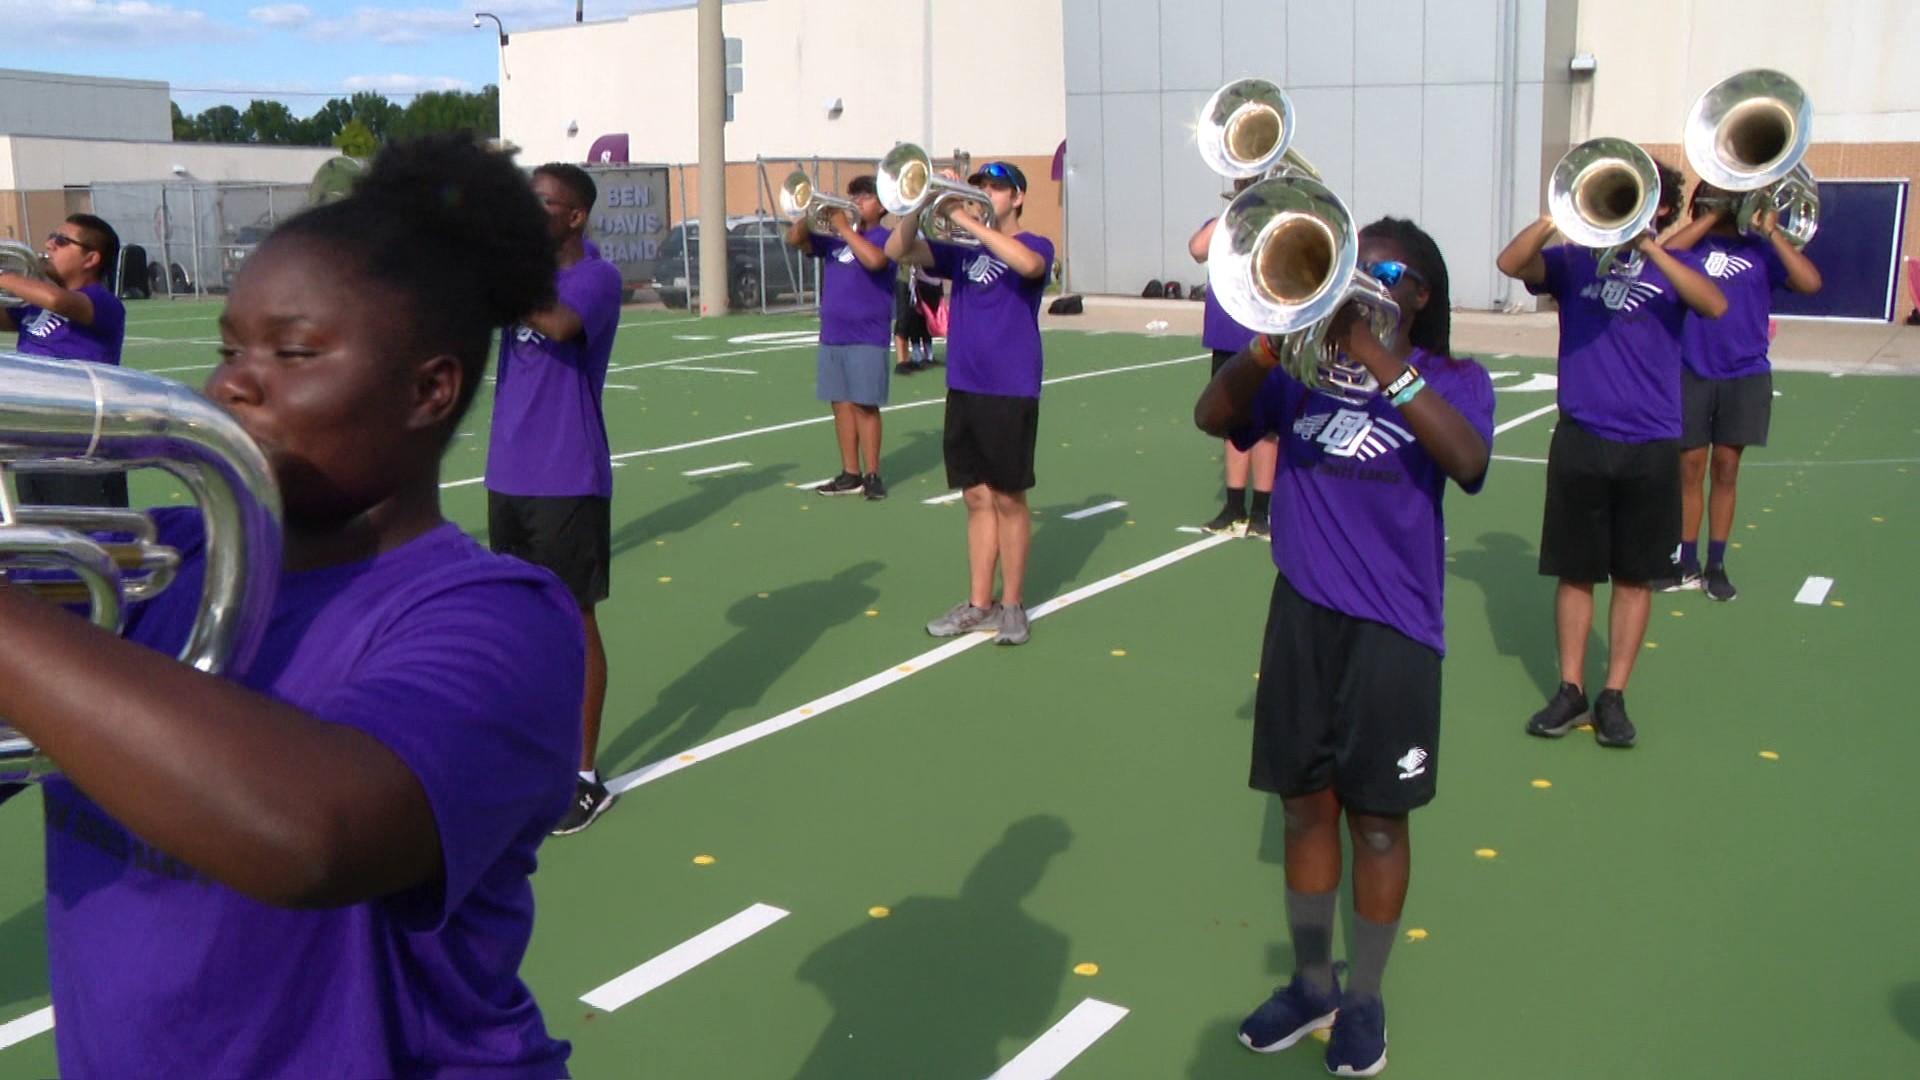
(184,238)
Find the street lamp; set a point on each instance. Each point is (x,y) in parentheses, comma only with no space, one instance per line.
(502,29)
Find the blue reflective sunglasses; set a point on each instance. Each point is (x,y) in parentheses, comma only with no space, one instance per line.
(998,172)
(1388,272)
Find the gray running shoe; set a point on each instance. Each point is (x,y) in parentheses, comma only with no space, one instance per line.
(964,619)
(1013,625)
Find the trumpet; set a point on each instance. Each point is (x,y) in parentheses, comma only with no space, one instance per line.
(19,258)
(1246,129)
(1747,134)
(74,416)
(1604,194)
(1283,261)
(907,184)
(798,199)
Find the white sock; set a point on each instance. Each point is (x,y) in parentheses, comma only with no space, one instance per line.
(591,776)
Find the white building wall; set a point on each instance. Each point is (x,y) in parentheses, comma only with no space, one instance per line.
(1655,57)
(81,107)
(897,67)
(37,164)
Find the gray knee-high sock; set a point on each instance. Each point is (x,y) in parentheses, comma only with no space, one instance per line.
(1372,942)
(1310,918)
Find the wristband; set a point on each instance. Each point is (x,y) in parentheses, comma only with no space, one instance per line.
(1405,380)
(1408,394)
(1263,353)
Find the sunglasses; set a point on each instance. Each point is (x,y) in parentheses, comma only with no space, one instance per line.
(1388,272)
(60,239)
(1000,172)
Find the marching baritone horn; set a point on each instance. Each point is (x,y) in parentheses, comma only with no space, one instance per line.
(1747,134)
(798,199)
(1604,194)
(77,416)
(1246,129)
(907,184)
(19,258)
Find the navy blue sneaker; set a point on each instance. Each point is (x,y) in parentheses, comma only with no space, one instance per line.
(1295,1011)
(1359,1043)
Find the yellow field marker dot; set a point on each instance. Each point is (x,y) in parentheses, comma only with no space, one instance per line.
(1129,522)
(664,580)
(1256,676)
(1736,545)
(1416,934)
(659,543)
(1452,559)
(649,468)
(1750,525)
(871,613)
(703,860)
(804,506)
(879,912)
(806,712)
(1766,509)
(1839,603)
(1770,755)
(1119,652)
(1679,614)
(905,669)
(1878,520)
(1653,644)
(789,483)
(1543,783)
(1086,969)
(736,524)
(1485,852)
(1583,727)
(763,596)
(686,757)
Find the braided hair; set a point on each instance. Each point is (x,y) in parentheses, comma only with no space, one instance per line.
(453,231)
(1433,324)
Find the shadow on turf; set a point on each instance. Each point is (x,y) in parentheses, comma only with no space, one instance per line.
(1061,548)
(1904,1003)
(1520,608)
(934,990)
(23,940)
(710,495)
(775,633)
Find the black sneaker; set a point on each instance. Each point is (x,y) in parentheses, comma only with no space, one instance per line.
(1717,585)
(1230,520)
(590,799)
(845,484)
(1610,724)
(1685,580)
(905,367)
(1564,709)
(1258,529)
(875,489)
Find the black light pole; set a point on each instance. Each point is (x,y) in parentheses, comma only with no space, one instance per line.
(502,28)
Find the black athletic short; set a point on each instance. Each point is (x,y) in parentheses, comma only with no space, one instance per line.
(569,535)
(1344,703)
(990,440)
(1613,508)
(1725,412)
(73,489)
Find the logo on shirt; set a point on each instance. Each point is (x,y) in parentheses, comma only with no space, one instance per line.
(844,255)
(1352,433)
(1621,294)
(1719,264)
(527,335)
(44,324)
(1412,763)
(985,269)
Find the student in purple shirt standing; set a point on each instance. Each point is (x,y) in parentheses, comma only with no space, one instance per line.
(549,474)
(1347,716)
(993,392)
(1225,337)
(1726,389)
(319,866)
(856,305)
(1613,470)
(73,315)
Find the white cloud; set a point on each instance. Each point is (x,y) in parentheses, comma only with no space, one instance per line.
(411,26)
(281,16)
(396,85)
(95,24)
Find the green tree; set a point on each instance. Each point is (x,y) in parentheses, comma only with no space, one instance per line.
(374,110)
(356,139)
(183,130)
(220,124)
(269,122)
(328,121)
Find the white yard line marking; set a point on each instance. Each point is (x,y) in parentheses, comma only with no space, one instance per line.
(1092,510)
(711,469)
(1522,460)
(713,356)
(1189,529)
(1814,591)
(18,1031)
(620,386)
(812,484)
(132,340)
(1518,420)
(693,337)
(683,958)
(189,367)
(951,496)
(1055,1050)
(707,751)
(714,370)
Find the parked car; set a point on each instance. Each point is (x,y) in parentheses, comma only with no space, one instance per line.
(236,250)
(757,257)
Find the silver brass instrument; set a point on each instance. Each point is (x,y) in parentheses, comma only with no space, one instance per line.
(1246,129)
(76,416)
(19,258)
(1283,261)
(1604,195)
(798,199)
(1747,134)
(907,184)
(334,180)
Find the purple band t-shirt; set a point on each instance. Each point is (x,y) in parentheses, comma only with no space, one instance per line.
(1747,269)
(469,666)
(1619,344)
(42,333)
(1221,332)
(993,330)
(1357,525)
(549,435)
(856,304)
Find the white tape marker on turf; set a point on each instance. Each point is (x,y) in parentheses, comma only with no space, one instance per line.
(19,1031)
(711,469)
(683,958)
(951,496)
(1092,510)
(655,770)
(1814,591)
(1055,1050)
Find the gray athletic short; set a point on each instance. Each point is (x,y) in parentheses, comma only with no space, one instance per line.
(1725,412)
(856,373)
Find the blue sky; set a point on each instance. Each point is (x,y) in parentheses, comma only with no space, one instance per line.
(218,52)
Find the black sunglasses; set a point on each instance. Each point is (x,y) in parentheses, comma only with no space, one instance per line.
(1388,272)
(60,239)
